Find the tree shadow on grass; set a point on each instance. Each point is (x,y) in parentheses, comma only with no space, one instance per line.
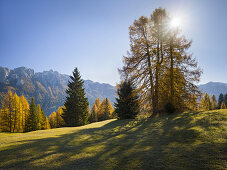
(167,142)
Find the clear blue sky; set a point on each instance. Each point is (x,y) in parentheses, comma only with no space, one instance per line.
(93,35)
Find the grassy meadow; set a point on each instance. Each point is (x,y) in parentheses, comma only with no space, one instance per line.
(179,141)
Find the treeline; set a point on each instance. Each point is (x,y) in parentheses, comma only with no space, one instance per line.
(16,115)
(100,111)
(211,103)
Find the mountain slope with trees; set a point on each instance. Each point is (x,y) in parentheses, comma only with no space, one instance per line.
(48,87)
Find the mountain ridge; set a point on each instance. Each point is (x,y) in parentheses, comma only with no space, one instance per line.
(48,87)
(215,88)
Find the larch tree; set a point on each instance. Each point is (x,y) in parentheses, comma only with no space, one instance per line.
(25,111)
(97,102)
(205,103)
(16,113)
(159,63)
(214,103)
(127,102)
(52,120)
(59,119)
(76,110)
(39,116)
(223,106)
(105,111)
(7,112)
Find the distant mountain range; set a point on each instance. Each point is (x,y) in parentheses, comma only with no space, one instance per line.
(48,87)
(215,88)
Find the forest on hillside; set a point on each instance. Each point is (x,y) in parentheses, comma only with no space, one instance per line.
(158,76)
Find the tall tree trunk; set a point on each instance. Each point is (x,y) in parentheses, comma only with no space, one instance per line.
(171,73)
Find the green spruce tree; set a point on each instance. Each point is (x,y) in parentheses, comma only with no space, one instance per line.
(220,100)
(32,120)
(225,99)
(127,103)
(76,110)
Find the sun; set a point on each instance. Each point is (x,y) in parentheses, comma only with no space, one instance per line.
(175,22)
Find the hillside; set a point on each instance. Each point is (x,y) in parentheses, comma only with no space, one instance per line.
(48,87)
(214,88)
(183,141)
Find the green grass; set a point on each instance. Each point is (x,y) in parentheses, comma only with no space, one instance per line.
(183,141)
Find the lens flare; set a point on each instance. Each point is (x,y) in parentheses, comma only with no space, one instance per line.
(175,22)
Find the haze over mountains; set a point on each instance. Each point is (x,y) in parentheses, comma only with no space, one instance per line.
(215,88)
(48,87)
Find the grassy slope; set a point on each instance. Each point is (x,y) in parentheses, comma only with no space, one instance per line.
(184,141)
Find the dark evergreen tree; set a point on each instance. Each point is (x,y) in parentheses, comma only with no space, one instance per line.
(220,100)
(32,119)
(225,99)
(127,103)
(76,110)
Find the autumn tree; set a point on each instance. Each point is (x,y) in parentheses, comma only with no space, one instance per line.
(16,113)
(59,119)
(25,111)
(97,102)
(76,111)
(214,103)
(7,112)
(105,111)
(223,106)
(127,103)
(52,120)
(205,103)
(159,63)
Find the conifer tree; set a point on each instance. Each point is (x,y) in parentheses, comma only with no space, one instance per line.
(106,110)
(59,119)
(47,124)
(93,114)
(225,99)
(159,63)
(7,112)
(214,104)
(39,116)
(220,100)
(43,120)
(52,120)
(223,106)
(76,111)
(97,102)
(32,120)
(127,103)
(16,113)
(25,111)
(205,103)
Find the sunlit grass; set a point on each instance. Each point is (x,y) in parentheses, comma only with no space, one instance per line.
(183,141)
